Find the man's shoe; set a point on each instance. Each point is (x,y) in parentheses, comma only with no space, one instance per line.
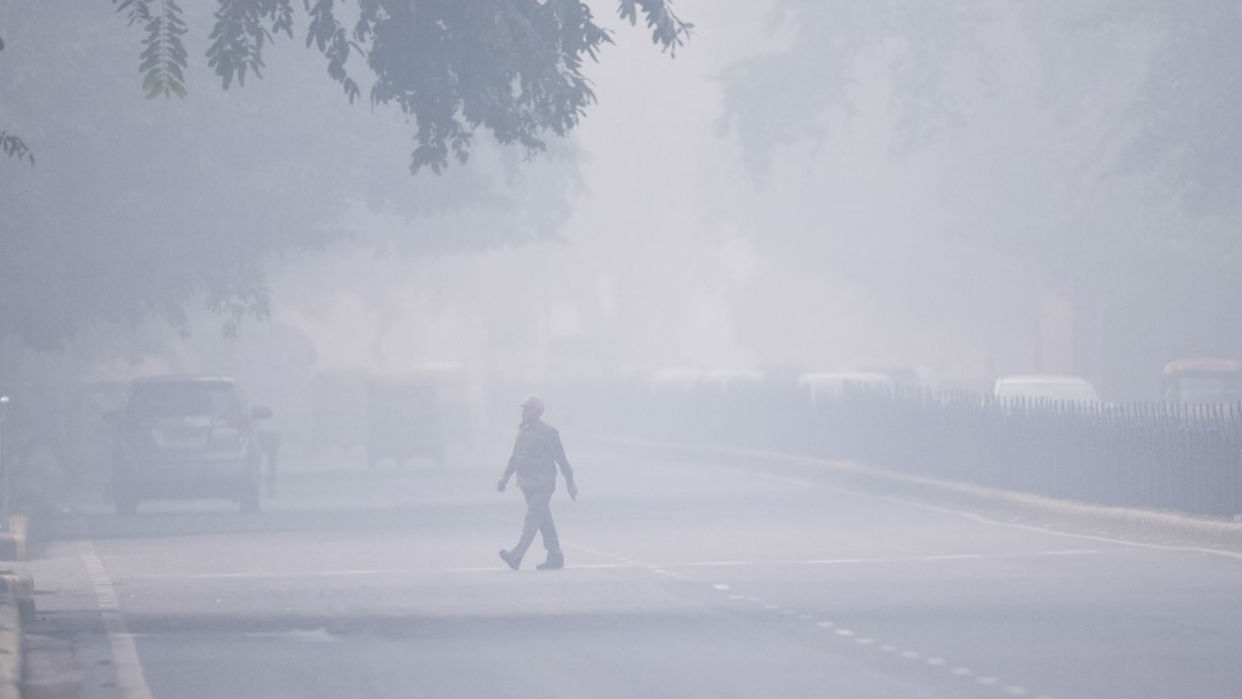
(555,561)
(509,559)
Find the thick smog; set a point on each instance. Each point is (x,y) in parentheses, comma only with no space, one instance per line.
(620,348)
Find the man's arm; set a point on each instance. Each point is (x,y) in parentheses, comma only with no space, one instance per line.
(504,480)
(566,470)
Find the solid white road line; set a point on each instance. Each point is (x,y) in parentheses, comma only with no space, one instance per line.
(129,676)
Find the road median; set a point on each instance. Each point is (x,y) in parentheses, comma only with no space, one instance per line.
(13,539)
(10,645)
(1149,526)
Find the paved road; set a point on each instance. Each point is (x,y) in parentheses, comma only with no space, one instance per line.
(683,580)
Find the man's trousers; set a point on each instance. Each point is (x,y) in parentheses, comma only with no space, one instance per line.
(538,519)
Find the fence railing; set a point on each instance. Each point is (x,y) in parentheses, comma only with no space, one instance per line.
(1149,455)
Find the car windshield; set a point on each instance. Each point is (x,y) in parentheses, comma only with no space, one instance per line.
(185,399)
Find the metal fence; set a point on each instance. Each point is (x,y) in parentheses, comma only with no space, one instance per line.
(1148,455)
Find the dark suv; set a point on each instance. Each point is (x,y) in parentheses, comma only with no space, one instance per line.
(186,437)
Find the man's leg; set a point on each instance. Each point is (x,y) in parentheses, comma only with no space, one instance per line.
(548,528)
(536,512)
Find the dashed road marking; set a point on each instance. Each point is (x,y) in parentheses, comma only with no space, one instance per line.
(480,569)
(933,661)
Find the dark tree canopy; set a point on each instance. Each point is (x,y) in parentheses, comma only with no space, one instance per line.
(513,67)
(139,208)
(13,145)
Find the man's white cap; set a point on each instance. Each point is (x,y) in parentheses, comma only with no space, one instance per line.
(534,402)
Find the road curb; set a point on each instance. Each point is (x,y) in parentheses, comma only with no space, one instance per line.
(10,647)
(19,589)
(1129,523)
(13,541)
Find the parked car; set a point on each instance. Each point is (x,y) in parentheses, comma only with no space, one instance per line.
(718,381)
(186,437)
(1045,387)
(1203,381)
(820,386)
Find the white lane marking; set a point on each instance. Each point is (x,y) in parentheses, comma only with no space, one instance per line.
(319,635)
(1013,690)
(306,574)
(129,676)
(504,569)
(892,559)
(900,559)
(604,566)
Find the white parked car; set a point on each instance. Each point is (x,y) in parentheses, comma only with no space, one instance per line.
(1045,387)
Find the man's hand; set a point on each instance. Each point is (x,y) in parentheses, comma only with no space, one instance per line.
(500,485)
(573,490)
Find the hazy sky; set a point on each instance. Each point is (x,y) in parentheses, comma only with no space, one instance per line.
(991,230)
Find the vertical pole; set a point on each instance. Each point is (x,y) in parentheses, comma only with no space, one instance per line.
(4,468)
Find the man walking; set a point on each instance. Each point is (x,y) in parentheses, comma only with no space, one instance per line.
(536,455)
